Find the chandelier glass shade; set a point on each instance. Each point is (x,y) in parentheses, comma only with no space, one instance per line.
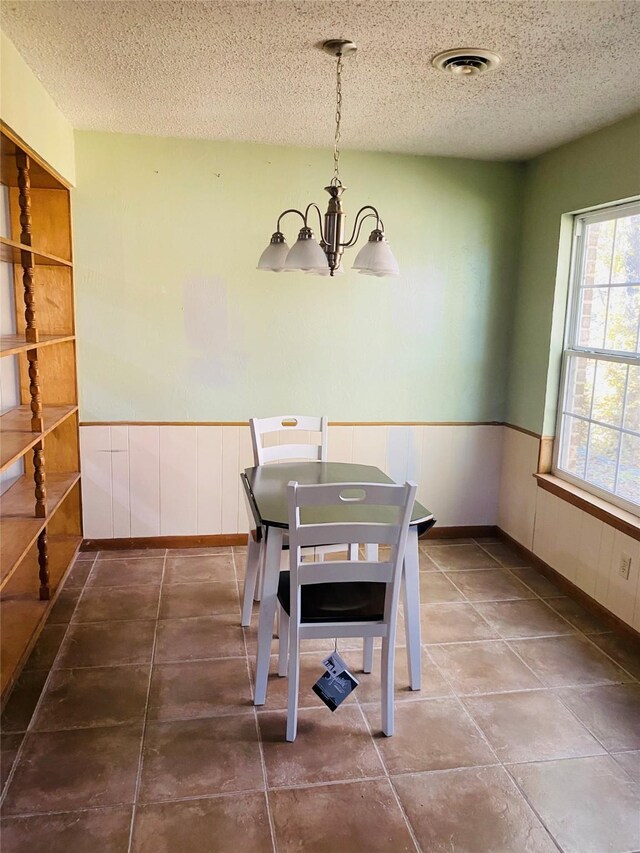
(325,257)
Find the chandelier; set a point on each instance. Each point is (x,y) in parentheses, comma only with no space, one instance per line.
(325,257)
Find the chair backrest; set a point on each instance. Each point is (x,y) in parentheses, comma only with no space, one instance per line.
(287,426)
(362,513)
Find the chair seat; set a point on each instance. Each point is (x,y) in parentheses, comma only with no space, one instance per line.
(360,601)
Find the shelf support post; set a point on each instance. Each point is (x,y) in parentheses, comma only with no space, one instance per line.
(26,258)
(43,565)
(39,478)
(37,423)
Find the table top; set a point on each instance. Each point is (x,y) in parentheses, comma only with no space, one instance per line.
(267,486)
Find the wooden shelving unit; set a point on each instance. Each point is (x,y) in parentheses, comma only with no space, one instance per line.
(40,513)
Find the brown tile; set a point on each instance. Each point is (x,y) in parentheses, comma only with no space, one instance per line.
(46,647)
(86,555)
(473,810)
(195,758)
(200,569)
(580,618)
(435,734)
(101,696)
(86,768)
(473,668)
(107,644)
(563,661)
(104,830)
(9,746)
(64,605)
(126,572)
(354,817)
(117,603)
(321,647)
(433,684)
(630,761)
(532,618)
(460,557)
(624,651)
(22,702)
(453,623)
(536,581)
(530,726)
(195,639)
(199,689)
(611,712)
(213,551)
(505,555)
(425,562)
(198,599)
(311,758)
(132,553)
(435,587)
(588,804)
(217,825)
(490,585)
(78,575)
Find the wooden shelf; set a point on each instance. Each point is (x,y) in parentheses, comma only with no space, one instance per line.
(11,252)
(18,527)
(22,614)
(14,344)
(16,436)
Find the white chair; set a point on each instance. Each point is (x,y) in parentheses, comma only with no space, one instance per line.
(327,599)
(263,454)
(288,425)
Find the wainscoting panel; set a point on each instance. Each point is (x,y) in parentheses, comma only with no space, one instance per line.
(584,549)
(165,480)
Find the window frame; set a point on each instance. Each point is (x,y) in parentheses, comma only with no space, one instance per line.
(571,349)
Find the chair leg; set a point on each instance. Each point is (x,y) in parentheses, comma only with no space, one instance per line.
(254,558)
(367,654)
(283,642)
(294,682)
(387,679)
(353,551)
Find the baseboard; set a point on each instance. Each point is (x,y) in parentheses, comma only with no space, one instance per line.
(219,540)
(462,531)
(224,540)
(569,587)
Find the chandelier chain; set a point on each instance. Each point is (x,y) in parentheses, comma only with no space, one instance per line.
(335,181)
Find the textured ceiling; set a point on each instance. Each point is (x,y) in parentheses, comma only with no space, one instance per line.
(250,71)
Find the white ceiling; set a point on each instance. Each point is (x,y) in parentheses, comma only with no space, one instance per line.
(250,70)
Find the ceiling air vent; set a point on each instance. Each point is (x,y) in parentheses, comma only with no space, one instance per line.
(466,61)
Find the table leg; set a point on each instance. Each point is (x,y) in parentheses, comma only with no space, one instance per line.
(271,569)
(411,586)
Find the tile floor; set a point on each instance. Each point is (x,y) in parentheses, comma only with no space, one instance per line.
(132,726)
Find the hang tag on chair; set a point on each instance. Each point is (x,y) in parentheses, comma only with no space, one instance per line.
(337,682)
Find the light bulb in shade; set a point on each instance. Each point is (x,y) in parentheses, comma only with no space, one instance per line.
(274,256)
(376,257)
(306,254)
(338,271)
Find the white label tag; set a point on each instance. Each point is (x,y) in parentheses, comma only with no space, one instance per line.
(334,664)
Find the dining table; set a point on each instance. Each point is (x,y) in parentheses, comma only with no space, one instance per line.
(266,487)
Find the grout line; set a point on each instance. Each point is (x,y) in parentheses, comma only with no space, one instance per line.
(386,771)
(146,714)
(263,765)
(34,713)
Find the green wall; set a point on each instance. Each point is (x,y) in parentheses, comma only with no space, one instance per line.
(594,170)
(30,112)
(175,323)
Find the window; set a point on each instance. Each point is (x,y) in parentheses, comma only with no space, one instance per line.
(598,444)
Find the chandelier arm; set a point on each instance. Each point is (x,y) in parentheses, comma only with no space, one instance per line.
(292,210)
(358,224)
(306,214)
